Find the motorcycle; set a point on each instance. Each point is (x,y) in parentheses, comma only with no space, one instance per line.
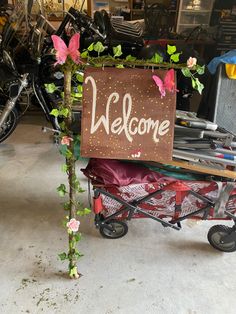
(27,64)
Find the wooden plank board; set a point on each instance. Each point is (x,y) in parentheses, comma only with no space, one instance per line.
(203,169)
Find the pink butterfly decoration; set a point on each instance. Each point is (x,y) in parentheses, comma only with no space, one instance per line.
(62,51)
(167,84)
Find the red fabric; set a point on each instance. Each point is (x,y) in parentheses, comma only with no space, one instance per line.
(163,205)
(97,205)
(120,173)
(130,181)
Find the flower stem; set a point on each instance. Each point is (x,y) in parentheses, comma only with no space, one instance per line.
(70,161)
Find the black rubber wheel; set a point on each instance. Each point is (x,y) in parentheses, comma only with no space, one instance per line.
(10,125)
(214,236)
(119,229)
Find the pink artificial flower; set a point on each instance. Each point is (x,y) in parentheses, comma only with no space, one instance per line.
(66,140)
(73,225)
(191,62)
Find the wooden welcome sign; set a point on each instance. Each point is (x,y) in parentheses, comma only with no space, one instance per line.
(124,116)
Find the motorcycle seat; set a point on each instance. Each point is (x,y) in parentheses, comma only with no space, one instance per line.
(118,30)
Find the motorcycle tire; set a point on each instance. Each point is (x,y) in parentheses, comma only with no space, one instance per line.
(10,125)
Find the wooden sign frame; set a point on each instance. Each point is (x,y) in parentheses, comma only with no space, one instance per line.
(125,117)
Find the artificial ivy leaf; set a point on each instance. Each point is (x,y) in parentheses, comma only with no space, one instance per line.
(61,190)
(171,49)
(87,211)
(73,272)
(50,88)
(64,168)
(78,254)
(80,88)
(81,190)
(186,72)
(77,150)
(130,58)
(68,154)
(55,112)
(63,149)
(80,77)
(62,125)
(175,57)
(91,47)
(83,212)
(157,58)
(117,51)
(64,112)
(199,86)
(84,54)
(193,83)
(63,256)
(76,96)
(77,237)
(120,66)
(200,69)
(64,223)
(66,205)
(77,138)
(98,47)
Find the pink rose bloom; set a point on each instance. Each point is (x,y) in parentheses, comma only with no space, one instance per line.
(191,62)
(66,140)
(73,225)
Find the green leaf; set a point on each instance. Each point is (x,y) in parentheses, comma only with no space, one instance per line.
(175,57)
(98,47)
(61,190)
(171,49)
(62,125)
(83,212)
(87,211)
(117,51)
(63,256)
(91,47)
(63,150)
(78,254)
(64,168)
(81,190)
(55,112)
(64,223)
(66,205)
(50,88)
(194,83)
(80,88)
(84,54)
(120,66)
(77,237)
(200,69)
(130,58)
(80,77)
(98,65)
(157,58)
(186,72)
(198,86)
(73,272)
(64,112)
(77,150)
(68,153)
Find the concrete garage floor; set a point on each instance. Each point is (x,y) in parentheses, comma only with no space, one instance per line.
(151,270)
